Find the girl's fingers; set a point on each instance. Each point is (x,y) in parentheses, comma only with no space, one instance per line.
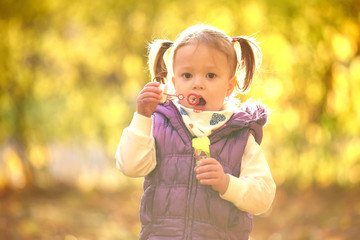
(150,89)
(157,84)
(148,99)
(208,181)
(153,86)
(207,161)
(149,95)
(208,168)
(208,175)
(204,169)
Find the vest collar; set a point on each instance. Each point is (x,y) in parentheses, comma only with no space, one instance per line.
(251,115)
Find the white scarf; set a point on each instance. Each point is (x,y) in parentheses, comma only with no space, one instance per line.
(203,123)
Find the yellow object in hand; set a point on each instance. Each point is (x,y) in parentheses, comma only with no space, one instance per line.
(201,147)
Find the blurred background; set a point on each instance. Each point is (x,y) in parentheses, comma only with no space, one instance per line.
(70,72)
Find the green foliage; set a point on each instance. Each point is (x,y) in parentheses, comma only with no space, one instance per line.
(71,72)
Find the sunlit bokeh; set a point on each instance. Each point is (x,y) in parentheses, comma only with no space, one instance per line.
(70,73)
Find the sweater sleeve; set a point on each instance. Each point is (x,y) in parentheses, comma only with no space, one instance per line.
(135,155)
(254,190)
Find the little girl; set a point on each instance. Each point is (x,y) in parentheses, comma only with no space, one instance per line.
(188,196)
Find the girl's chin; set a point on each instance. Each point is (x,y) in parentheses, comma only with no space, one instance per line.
(199,108)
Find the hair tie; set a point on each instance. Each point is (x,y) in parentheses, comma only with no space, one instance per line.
(167,45)
(160,77)
(235,39)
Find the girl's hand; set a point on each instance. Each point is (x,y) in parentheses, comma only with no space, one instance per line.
(148,99)
(210,172)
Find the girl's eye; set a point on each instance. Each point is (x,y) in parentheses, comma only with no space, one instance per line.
(187,75)
(210,75)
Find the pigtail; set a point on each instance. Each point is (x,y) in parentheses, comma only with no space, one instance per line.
(249,61)
(157,65)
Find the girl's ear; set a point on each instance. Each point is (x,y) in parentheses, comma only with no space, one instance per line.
(232,84)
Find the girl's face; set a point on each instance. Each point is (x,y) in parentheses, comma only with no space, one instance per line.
(202,69)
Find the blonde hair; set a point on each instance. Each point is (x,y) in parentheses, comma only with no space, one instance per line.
(244,57)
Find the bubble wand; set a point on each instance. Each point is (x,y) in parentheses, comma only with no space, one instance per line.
(192,98)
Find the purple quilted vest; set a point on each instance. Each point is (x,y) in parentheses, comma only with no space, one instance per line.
(174,205)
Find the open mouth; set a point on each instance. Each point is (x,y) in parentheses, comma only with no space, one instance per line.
(202,102)
(197,101)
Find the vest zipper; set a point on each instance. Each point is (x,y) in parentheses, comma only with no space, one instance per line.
(189,210)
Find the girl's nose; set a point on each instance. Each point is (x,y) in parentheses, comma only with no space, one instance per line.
(198,83)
